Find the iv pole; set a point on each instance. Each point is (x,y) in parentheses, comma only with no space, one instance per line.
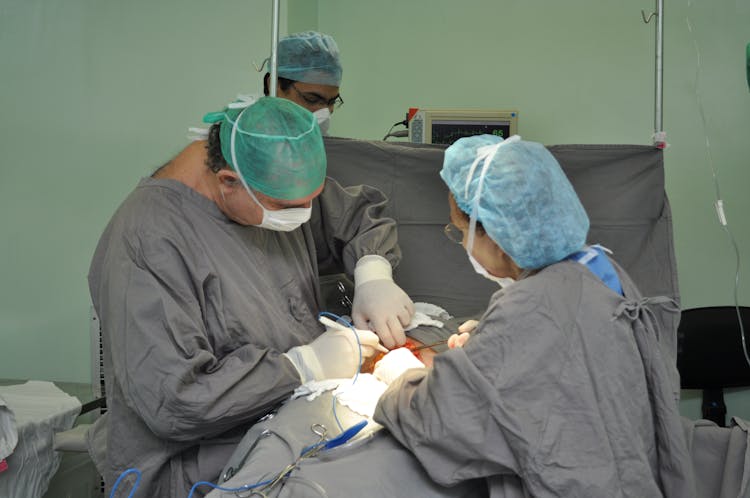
(274,48)
(660,137)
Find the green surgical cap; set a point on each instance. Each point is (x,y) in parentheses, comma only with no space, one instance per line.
(309,57)
(526,205)
(278,147)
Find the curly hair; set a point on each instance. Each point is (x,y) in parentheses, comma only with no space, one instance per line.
(214,158)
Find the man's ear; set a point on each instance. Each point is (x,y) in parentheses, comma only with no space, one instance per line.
(228,177)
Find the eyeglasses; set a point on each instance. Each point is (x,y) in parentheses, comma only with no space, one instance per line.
(316,100)
(454,233)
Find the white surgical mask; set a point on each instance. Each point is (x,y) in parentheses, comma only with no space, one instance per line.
(324,119)
(283,220)
(503,282)
(487,154)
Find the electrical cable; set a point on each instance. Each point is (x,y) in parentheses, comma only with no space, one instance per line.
(719,203)
(122,476)
(247,487)
(402,133)
(192,489)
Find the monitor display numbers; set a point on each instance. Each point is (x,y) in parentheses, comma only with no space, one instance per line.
(448,131)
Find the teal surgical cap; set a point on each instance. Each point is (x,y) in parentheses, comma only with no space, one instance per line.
(526,203)
(309,57)
(275,145)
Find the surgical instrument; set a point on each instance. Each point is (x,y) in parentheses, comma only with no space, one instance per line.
(426,346)
(327,444)
(345,301)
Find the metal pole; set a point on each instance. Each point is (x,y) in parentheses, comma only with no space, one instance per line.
(659,137)
(274,48)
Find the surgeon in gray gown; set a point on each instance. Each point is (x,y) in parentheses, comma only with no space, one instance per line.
(561,389)
(206,285)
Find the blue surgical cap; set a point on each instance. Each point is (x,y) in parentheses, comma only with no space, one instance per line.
(277,145)
(309,57)
(526,205)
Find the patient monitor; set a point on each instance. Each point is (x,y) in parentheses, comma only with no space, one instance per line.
(445,126)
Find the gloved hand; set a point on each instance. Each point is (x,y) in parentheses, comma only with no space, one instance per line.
(468,326)
(458,340)
(395,363)
(379,301)
(333,354)
(464,332)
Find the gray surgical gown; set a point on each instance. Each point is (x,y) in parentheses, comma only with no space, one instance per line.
(196,312)
(561,391)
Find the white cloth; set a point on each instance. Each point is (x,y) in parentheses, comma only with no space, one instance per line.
(396,363)
(8,432)
(360,395)
(41,409)
(314,388)
(427,314)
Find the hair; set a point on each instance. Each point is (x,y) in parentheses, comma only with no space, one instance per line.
(284,83)
(214,158)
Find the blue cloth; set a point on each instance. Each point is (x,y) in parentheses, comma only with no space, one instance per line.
(599,264)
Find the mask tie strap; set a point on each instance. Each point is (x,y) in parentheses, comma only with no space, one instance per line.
(487,153)
(232,142)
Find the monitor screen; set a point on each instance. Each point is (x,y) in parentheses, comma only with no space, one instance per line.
(445,131)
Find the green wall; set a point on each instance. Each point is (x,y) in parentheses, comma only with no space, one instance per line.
(96,94)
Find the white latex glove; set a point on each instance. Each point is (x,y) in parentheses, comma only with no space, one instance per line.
(395,363)
(464,332)
(333,354)
(380,304)
(458,340)
(468,326)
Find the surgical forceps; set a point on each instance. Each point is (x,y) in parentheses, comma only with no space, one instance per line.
(345,301)
(327,444)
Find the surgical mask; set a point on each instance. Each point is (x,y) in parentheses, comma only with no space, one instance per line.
(487,154)
(503,282)
(324,119)
(283,220)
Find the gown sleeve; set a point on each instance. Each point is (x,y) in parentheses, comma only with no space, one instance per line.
(477,412)
(349,223)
